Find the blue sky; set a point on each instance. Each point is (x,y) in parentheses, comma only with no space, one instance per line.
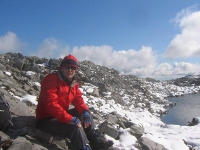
(158,39)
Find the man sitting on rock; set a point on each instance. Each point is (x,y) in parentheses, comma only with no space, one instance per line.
(58,91)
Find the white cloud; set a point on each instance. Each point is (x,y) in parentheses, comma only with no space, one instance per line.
(51,48)
(187,43)
(177,70)
(96,54)
(164,69)
(186,68)
(10,43)
(140,62)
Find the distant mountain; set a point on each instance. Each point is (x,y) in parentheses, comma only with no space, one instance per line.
(188,80)
(192,76)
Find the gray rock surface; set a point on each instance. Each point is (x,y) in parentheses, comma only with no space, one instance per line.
(15,83)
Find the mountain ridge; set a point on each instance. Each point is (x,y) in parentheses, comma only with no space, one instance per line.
(20,75)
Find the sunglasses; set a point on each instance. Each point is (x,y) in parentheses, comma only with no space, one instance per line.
(70,67)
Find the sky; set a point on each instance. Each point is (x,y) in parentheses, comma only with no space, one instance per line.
(157,39)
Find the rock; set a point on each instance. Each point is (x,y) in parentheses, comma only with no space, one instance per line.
(148,144)
(3,137)
(95,92)
(112,119)
(47,138)
(108,129)
(195,121)
(20,143)
(110,85)
(19,65)
(137,130)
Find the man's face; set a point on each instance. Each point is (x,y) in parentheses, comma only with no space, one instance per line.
(68,71)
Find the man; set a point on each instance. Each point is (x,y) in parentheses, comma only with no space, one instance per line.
(58,91)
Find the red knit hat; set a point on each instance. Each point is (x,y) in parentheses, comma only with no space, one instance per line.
(69,60)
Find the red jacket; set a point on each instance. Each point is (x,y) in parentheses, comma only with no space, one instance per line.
(56,96)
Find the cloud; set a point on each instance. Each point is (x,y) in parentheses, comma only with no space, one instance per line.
(176,70)
(185,68)
(96,54)
(164,69)
(51,48)
(10,43)
(187,43)
(140,62)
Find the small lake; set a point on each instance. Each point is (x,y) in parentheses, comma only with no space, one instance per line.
(187,107)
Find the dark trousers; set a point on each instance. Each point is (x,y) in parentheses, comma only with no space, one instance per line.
(76,135)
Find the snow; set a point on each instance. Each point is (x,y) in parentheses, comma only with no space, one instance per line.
(29,98)
(7,73)
(172,137)
(30,73)
(126,140)
(168,135)
(37,83)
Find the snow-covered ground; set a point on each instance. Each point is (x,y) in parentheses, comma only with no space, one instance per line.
(172,137)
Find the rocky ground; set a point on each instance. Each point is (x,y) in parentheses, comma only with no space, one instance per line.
(20,75)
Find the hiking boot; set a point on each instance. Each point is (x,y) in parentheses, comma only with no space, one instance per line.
(98,140)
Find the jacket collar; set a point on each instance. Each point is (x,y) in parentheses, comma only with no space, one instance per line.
(71,83)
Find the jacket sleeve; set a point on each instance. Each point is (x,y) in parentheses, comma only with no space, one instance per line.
(49,90)
(78,101)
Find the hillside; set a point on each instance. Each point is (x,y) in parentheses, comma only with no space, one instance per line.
(123,105)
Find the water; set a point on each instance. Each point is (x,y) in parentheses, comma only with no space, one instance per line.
(187,107)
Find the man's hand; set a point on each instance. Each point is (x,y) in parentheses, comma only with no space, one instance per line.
(76,121)
(86,119)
